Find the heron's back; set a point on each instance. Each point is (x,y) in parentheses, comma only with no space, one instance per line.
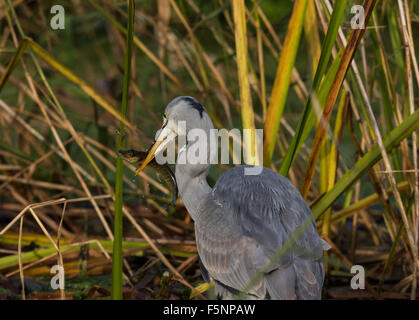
(246,220)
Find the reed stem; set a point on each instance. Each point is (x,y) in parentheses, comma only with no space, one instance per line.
(116,290)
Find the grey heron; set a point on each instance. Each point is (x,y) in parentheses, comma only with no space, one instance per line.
(244,220)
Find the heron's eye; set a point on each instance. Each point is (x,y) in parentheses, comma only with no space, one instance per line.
(164,119)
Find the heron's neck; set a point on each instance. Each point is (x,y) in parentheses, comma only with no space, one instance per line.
(191,177)
(193,190)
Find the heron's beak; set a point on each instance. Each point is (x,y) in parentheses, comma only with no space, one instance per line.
(165,136)
(150,156)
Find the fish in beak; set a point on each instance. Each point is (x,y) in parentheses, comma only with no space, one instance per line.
(165,137)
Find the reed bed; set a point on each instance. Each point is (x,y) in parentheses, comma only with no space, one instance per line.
(337,104)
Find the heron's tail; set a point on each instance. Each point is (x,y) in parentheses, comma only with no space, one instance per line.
(303,280)
(310,277)
(280,284)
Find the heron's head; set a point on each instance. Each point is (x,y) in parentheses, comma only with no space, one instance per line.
(181,115)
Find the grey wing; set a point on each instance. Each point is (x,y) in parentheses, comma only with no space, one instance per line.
(204,271)
(226,255)
(268,209)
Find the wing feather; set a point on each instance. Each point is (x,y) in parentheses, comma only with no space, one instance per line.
(246,220)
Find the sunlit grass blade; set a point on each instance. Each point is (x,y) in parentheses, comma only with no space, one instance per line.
(282,79)
(69,246)
(344,65)
(392,140)
(364,203)
(202,288)
(307,114)
(330,158)
(79,82)
(248,118)
(312,36)
(260,59)
(13,63)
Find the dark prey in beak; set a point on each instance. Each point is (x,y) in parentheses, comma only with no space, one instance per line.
(163,171)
